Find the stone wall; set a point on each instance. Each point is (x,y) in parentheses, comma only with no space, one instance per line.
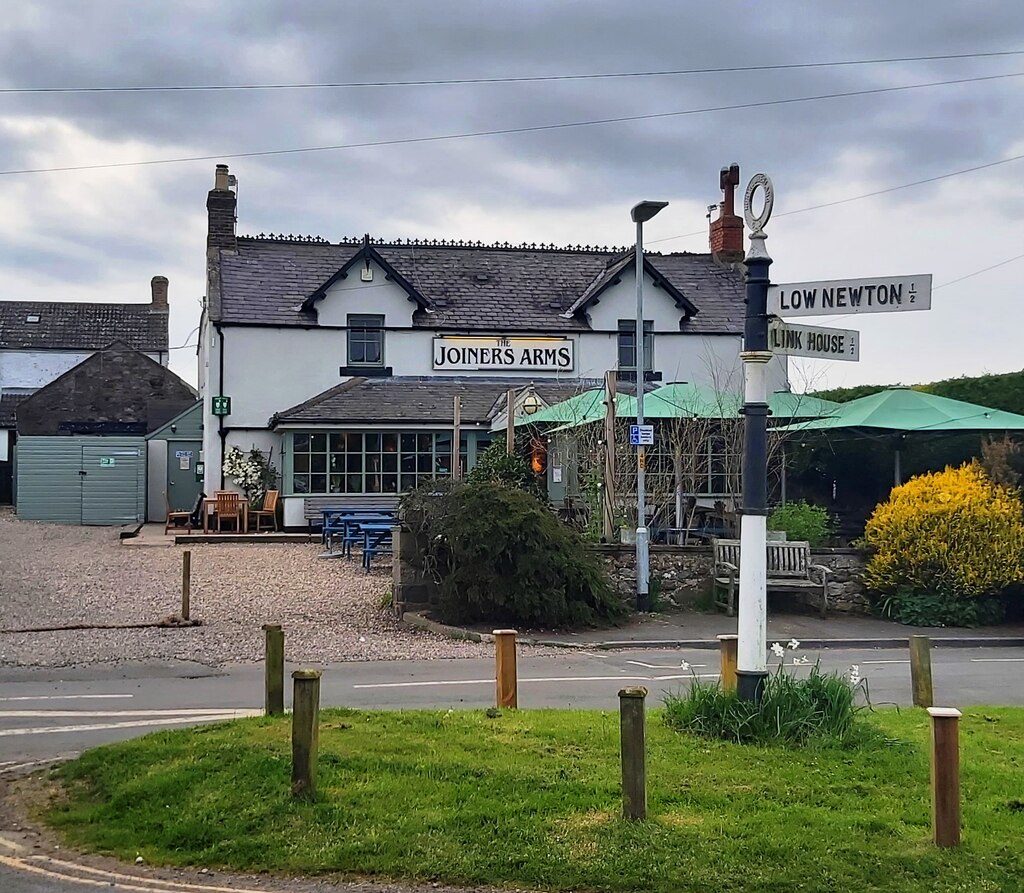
(684,573)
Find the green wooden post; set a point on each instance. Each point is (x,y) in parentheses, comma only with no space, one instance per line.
(921,671)
(273,702)
(633,733)
(305,732)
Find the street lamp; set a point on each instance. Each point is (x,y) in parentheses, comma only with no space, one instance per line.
(640,214)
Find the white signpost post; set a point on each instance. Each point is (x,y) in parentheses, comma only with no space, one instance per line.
(813,341)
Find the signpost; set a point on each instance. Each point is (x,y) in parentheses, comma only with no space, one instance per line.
(886,294)
(765,335)
(813,341)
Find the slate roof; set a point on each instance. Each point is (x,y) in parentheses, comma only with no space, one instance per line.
(8,402)
(75,326)
(418,399)
(268,281)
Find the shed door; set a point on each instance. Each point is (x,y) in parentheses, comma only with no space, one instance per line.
(110,484)
(182,485)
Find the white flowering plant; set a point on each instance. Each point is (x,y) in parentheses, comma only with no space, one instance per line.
(253,473)
(795,708)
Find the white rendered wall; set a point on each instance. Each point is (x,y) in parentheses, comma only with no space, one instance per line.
(32,369)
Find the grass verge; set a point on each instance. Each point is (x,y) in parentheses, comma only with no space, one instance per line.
(531,799)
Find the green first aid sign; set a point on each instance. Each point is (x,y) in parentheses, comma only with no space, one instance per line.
(106,461)
(221,405)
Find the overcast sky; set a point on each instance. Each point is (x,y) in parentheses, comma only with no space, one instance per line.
(101,235)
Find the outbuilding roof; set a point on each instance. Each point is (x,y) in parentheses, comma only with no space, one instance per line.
(420,400)
(46,325)
(461,286)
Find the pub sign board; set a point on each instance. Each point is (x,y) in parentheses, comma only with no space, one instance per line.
(491,354)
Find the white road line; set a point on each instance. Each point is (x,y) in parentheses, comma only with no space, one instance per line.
(62,697)
(997,660)
(97,727)
(885,661)
(184,711)
(640,663)
(539,679)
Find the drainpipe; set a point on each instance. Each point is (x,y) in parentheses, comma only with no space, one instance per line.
(221,430)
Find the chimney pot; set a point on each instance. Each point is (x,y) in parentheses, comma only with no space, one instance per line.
(158,290)
(221,207)
(726,234)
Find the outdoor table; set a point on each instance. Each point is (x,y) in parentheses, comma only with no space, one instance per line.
(352,526)
(210,502)
(374,533)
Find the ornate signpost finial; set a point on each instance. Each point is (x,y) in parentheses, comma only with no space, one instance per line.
(758,222)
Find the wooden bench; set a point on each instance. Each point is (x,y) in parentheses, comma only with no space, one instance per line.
(313,506)
(789,570)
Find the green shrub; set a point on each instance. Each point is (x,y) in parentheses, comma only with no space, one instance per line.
(907,605)
(498,555)
(801,521)
(495,466)
(797,711)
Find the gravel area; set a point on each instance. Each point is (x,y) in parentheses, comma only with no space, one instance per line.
(331,610)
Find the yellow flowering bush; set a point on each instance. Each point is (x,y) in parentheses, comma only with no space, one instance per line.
(953,533)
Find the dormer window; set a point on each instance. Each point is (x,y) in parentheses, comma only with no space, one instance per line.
(365,340)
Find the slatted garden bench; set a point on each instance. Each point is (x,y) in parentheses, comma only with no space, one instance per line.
(789,570)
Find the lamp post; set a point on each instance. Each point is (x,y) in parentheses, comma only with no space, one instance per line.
(752,655)
(640,214)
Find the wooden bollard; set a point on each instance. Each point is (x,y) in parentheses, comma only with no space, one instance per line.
(186,583)
(633,743)
(505,677)
(305,732)
(945,775)
(728,646)
(273,674)
(921,671)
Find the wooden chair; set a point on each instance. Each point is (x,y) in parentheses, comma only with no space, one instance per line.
(189,516)
(269,510)
(229,506)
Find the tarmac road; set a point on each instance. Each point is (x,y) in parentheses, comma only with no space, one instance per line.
(48,715)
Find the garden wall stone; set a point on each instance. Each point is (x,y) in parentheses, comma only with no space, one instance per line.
(684,573)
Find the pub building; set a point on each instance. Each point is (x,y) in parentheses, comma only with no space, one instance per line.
(342,359)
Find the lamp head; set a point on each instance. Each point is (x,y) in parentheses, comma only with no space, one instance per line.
(644,211)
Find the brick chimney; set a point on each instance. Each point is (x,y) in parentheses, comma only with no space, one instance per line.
(158,291)
(727,229)
(221,207)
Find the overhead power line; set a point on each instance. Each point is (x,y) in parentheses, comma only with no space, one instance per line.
(789,66)
(857,198)
(514,130)
(1001,263)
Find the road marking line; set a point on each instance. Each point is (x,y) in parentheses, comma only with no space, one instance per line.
(185,711)
(885,661)
(997,660)
(623,678)
(102,872)
(640,663)
(62,697)
(97,727)
(141,885)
